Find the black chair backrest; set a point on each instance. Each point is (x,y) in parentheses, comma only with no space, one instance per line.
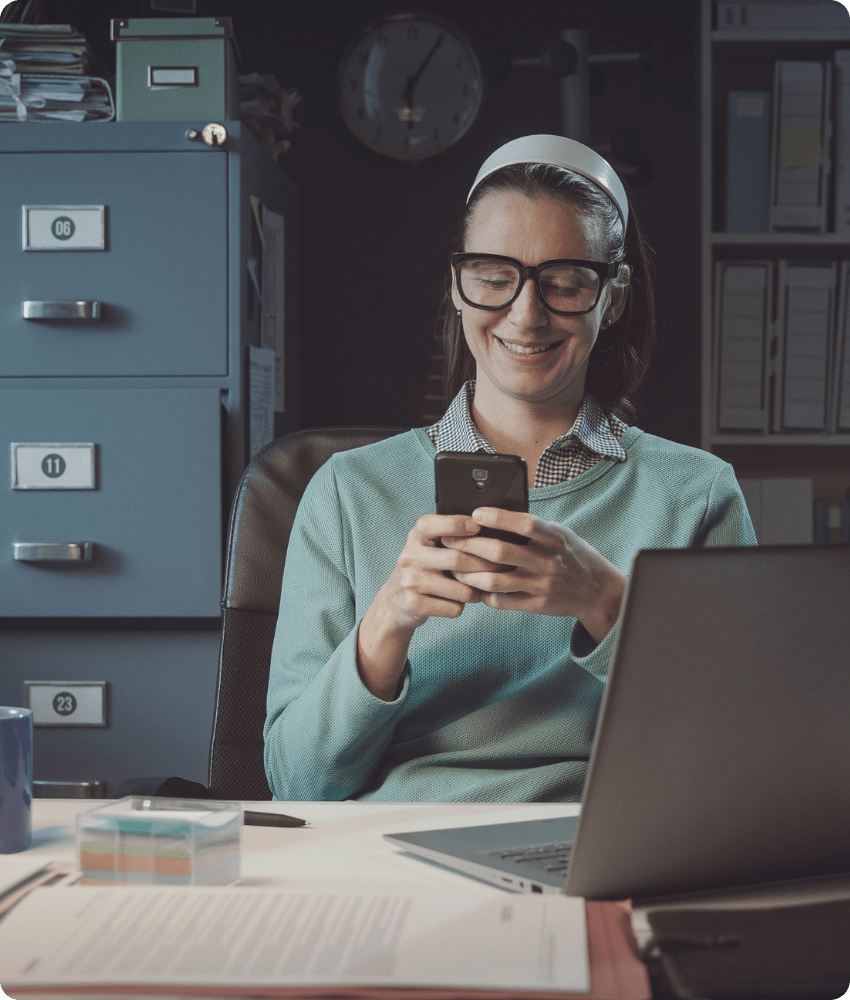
(260,524)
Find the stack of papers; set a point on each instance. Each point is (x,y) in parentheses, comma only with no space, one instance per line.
(45,75)
(276,943)
(21,873)
(266,108)
(47,48)
(17,869)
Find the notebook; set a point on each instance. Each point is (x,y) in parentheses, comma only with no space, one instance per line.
(722,752)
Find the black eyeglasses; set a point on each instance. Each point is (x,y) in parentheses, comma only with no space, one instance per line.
(566,287)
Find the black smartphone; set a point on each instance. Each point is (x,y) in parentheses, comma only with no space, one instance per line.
(467,480)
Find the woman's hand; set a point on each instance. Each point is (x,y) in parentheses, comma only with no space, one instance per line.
(423,584)
(556,573)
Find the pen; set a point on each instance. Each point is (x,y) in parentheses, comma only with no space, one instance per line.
(252,818)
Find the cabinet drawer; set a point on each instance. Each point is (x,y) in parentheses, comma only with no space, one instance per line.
(153,518)
(161,279)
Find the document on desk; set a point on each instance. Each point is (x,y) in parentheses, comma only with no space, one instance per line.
(273,942)
(20,875)
(16,869)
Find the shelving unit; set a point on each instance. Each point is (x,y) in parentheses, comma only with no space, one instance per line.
(744,60)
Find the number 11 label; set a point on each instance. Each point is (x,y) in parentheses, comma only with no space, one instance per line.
(53,466)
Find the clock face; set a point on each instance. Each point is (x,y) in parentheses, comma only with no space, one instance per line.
(410,87)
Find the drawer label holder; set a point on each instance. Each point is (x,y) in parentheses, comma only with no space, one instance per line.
(53,466)
(64,227)
(68,703)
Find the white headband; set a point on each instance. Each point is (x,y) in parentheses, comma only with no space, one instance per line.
(558,151)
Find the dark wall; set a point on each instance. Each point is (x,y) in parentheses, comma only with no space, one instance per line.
(377,233)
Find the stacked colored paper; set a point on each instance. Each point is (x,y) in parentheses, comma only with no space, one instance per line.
(156,841)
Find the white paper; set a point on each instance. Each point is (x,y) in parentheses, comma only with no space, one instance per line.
(255,937)
(261,363)
(273,296)
(18,868)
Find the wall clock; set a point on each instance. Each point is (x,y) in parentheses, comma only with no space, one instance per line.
(410,87)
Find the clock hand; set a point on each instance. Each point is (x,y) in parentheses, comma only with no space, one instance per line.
(407,95)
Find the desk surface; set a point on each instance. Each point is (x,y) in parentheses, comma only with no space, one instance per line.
(342,848)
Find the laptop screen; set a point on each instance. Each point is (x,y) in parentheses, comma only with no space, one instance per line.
(722,753)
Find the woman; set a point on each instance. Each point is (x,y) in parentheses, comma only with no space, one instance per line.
(473,670)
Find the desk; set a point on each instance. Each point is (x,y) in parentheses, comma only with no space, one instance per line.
(342,848)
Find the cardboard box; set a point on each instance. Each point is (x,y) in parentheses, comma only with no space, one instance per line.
(175,69)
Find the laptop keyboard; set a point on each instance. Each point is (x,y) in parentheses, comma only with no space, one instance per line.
(552,858)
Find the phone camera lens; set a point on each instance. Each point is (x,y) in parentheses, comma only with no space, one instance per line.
(479,475)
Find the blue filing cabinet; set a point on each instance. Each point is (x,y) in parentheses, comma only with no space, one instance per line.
(145,368)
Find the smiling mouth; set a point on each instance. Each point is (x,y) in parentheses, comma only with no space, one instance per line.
(528,351)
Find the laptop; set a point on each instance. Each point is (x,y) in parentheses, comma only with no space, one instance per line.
(722,752)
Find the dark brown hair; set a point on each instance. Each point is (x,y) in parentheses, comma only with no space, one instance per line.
(620,358)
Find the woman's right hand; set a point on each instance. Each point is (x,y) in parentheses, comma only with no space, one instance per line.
(420,586)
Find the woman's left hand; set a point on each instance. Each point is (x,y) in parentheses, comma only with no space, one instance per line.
(557,573)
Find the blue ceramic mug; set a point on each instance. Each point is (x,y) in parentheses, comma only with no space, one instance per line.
(15,779)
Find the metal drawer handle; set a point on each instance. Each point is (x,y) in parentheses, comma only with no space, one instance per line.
(68,309)
(82,552)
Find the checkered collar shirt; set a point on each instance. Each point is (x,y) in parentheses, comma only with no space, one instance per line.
(594,435)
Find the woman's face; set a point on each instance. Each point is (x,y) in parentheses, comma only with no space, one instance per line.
(533,230)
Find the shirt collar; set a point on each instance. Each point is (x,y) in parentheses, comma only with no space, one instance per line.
(596,430)
(593,427)
(457,430)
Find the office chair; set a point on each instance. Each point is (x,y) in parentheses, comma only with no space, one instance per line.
(260,523)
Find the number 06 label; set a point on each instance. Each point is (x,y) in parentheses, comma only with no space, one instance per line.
(52,466)
(64,227)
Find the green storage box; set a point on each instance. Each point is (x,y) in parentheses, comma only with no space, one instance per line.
(175,69)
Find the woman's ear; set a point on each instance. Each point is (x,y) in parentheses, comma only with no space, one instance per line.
(617,290)
(456,299)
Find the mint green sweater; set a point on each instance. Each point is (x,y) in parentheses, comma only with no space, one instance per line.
(494,705)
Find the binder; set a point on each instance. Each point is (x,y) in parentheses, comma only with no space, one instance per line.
(742,317)
(782,951)
(831,521)
(789,16)
(800,149)
(804,325)
(820,521)
(840,395)
(841,126)
(781,510)
(748,134)
(729,16)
